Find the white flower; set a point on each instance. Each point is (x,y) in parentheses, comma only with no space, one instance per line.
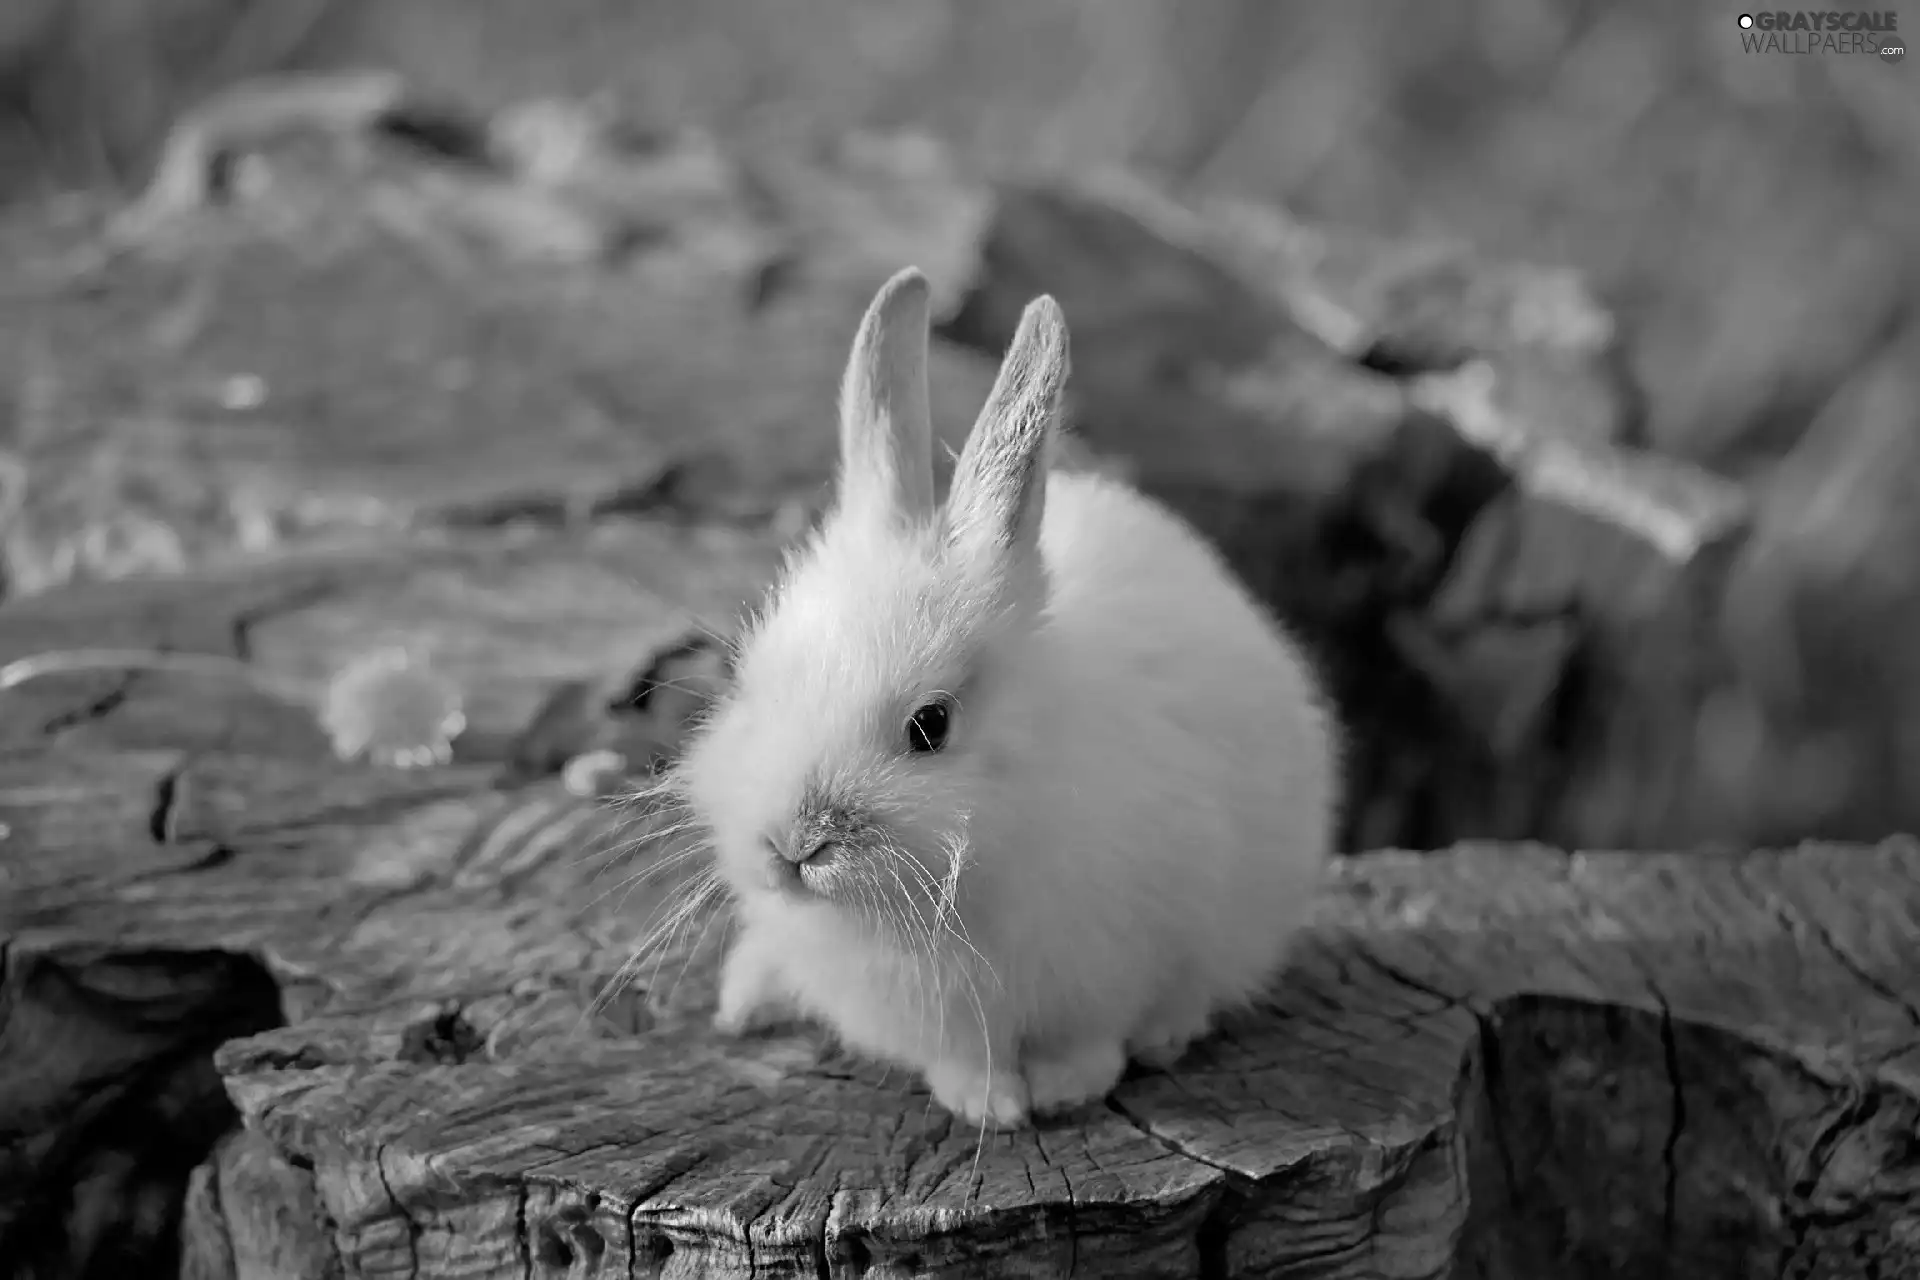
(389,707)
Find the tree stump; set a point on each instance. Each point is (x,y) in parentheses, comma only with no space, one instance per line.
(1494,1061)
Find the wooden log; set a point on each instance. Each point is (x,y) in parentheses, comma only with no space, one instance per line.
(1496,1061)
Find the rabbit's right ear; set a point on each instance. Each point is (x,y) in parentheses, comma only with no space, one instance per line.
(886,422)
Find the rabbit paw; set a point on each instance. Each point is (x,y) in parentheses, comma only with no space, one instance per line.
(1083,1073)
(749,990)
(740,1021)
(977,1095)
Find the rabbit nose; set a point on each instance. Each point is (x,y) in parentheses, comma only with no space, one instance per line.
(806,851)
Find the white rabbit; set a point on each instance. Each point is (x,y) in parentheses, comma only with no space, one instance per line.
(1010,789)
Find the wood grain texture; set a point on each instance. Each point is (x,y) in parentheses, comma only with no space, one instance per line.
(1497,1061)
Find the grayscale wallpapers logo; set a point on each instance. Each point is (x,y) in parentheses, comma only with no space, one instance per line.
(1824,31)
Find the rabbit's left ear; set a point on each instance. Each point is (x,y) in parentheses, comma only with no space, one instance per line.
(886,422)
(1000,482)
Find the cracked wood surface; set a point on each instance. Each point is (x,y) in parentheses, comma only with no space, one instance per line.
(1497,1061)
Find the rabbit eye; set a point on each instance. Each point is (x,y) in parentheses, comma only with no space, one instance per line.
(927,727)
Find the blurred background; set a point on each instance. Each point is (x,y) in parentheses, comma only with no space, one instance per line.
(1652,580)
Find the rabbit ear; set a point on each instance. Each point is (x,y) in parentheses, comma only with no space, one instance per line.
(886,424)
(1000,482)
